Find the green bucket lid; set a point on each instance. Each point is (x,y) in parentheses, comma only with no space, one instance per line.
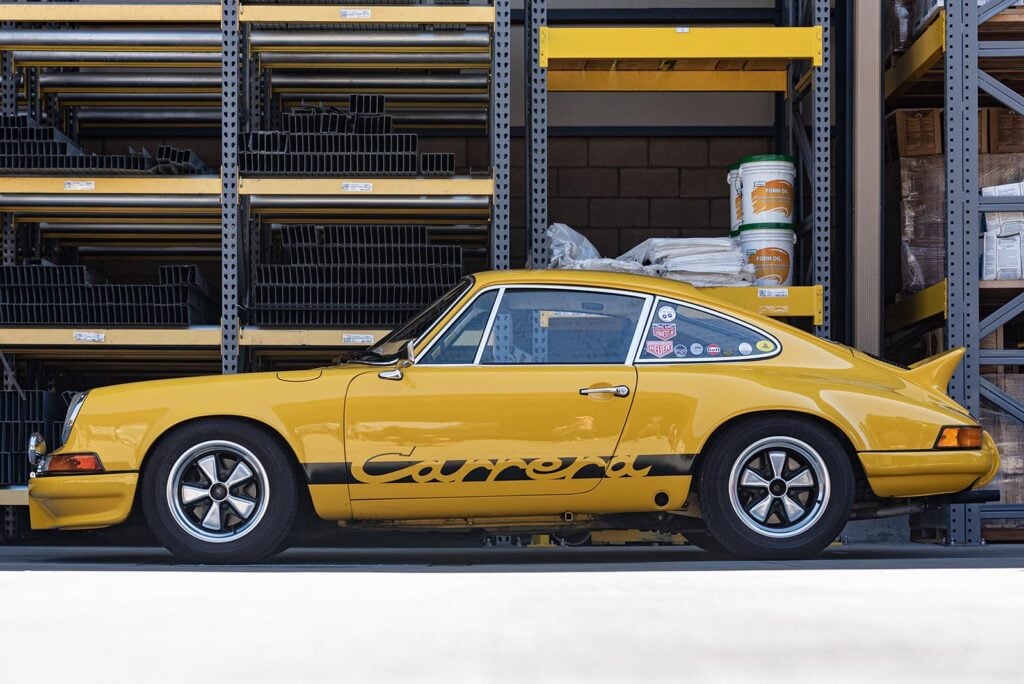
(763,226)
(767,158)
(734,167)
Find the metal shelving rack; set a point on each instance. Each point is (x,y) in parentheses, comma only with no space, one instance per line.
(949,54)
(684,58)
(240,95)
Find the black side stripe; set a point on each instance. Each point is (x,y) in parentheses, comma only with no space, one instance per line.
(661,465)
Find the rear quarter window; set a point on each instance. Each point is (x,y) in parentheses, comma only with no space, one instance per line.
(685,334)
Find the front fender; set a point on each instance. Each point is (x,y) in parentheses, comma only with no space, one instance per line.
(122,423)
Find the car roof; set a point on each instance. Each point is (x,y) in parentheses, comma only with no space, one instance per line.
(620,281)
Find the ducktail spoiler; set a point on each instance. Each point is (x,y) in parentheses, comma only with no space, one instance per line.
(936,371)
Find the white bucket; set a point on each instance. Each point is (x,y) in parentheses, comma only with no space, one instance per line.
(769,247)
(735,197)
(768,188)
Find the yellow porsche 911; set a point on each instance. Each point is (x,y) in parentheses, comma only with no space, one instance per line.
(528,402)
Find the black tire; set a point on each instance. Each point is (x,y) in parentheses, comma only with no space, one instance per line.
(748,454)
(704,541)
(270,494)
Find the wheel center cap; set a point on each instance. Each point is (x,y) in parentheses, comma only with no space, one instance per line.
(218,492)
(777,487)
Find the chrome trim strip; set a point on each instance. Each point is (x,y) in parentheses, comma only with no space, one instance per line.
(488,327)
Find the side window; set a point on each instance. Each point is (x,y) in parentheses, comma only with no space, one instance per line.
(458,344)
(682,333)
(562,327)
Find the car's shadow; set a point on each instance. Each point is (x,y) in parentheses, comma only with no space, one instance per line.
(537,560)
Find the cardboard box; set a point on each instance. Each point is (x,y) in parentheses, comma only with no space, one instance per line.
(920,132)
(1001,257)
(1005,131)
(916,132)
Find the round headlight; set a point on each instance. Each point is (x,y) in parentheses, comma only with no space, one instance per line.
(69,420)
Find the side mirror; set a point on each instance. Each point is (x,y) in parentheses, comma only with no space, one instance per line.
(407,362)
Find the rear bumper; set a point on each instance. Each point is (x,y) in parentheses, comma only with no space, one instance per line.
(929,473)
(80,501)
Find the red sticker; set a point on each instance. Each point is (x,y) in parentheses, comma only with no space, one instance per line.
(714,350)
(659,349)
(664,331)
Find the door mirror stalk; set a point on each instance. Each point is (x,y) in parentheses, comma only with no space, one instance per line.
(397,373)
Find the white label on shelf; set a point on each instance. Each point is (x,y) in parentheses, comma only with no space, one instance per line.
(356,338)
(79,185)
(682,29)
(772,292)
(89,337)
(357,187)
(356,14)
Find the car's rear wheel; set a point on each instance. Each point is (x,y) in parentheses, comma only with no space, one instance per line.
(220,491)
(776,488)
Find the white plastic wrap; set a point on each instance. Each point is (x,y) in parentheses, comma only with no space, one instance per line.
(702,262)
(569,248)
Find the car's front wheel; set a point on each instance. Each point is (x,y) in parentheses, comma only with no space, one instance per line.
(779,487)
(220,491)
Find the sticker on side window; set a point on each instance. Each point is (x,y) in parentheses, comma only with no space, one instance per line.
(659,348)
(664,331)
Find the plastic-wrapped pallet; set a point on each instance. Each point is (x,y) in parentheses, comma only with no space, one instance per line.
(1008,432)
(922,213)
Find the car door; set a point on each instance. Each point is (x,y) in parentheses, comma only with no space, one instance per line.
(525,393)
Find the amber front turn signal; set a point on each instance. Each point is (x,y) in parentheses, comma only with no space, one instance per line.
(73,463)
(959,438)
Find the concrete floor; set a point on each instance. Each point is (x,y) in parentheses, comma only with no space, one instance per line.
(858,612)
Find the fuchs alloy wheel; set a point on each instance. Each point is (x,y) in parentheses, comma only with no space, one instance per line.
(220,491)
(776,488)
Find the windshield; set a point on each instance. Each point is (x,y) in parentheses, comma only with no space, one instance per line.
(412,330)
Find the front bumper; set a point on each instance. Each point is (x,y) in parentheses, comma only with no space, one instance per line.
(928,473)
(80,501)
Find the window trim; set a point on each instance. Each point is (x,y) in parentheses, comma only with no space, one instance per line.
(633,351)
(707,359)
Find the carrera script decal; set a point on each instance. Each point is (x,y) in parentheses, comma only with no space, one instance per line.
(400,468)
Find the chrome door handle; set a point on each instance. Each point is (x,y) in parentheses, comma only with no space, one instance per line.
(618,391)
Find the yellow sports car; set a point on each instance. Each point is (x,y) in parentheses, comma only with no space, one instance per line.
(528,402)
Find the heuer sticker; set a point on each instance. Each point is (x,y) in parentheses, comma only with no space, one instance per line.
(745,348)
(714,350)
(765,346)
(696,348)
(664,331)
(658,348)
(679,350)
(666,314)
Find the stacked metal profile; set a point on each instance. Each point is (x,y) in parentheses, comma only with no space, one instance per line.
(327,141)
(74,295)
(28,148)
(352,275)
(21,414)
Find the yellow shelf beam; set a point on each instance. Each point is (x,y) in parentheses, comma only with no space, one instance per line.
(917,307)
(667,81)
(370,14)
(123,13)
(121,185)
(255,337)
(923,54)
(718,42)
(778,302)
(13,496)
(366,186)
(98,338)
